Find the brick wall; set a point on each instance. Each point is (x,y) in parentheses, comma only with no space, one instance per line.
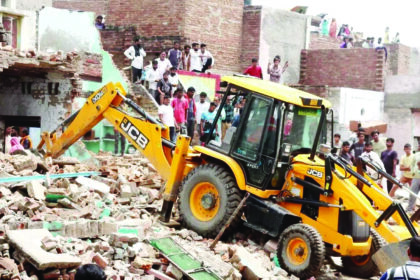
(318,41)
(217,23)
(321,90)
(354,68)
(99,7)
(251,29)
(150,17)
(398,62)
(160,22)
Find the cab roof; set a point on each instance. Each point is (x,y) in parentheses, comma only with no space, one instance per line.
(278,91)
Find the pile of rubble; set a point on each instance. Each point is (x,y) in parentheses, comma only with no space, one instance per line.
(54,217)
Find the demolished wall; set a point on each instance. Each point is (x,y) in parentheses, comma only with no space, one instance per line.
(319,41)
(30,96)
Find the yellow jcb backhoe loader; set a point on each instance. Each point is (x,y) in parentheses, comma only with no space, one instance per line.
(300,193)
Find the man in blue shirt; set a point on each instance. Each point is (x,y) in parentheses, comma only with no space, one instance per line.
(207,119)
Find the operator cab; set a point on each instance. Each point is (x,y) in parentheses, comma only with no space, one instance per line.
(264,131)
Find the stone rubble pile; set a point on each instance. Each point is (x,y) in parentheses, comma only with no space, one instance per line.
(108,220)
(49,227)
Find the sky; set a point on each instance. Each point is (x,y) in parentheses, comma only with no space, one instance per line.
(367,16)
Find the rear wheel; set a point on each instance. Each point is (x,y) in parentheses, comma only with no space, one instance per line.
(301,250)
(363,266)
(208,197)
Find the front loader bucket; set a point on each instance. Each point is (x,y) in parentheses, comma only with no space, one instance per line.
(391,255)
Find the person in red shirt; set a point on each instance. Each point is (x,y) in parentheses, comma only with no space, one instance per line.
(254,70)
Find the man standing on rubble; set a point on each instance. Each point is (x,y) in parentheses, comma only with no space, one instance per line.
(136,53)
(389,158)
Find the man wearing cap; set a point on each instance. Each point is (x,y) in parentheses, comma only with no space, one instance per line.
(191,111)
(196,64)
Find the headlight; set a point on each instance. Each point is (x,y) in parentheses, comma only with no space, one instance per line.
(324,149)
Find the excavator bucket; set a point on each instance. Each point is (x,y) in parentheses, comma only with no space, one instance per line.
(391,255)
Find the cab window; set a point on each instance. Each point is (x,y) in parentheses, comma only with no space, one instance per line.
(250,138)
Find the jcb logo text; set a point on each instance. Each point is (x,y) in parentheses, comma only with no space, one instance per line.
(134,133)
(315,173)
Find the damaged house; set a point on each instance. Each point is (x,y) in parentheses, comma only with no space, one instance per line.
(40,75)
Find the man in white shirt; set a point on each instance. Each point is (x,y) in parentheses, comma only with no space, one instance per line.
(374,158)
(136,53)
(196,64)
(173,79)
(166,115)
(163,64)
(153,77)
(202,106)
(206,58)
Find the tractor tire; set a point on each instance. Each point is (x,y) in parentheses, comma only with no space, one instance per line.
(363,266)
(301,251)
(208,197)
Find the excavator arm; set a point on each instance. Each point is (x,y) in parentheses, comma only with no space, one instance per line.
(144,132)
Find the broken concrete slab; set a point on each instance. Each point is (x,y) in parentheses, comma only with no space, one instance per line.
(93,185)
(174,272)
(21,162)
(249,266)
(31,249)
(36,189)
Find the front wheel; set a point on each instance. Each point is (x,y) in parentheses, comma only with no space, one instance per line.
(301,251)
(363,266)
(208,197)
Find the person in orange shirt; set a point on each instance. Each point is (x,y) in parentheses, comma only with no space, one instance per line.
(26,140)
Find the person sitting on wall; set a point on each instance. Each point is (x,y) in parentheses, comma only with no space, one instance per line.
(254,70)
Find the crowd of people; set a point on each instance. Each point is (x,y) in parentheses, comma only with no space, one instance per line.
(178,109)
(183,115)
(15,142)
(381,151)
(194,58)
(348,38)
